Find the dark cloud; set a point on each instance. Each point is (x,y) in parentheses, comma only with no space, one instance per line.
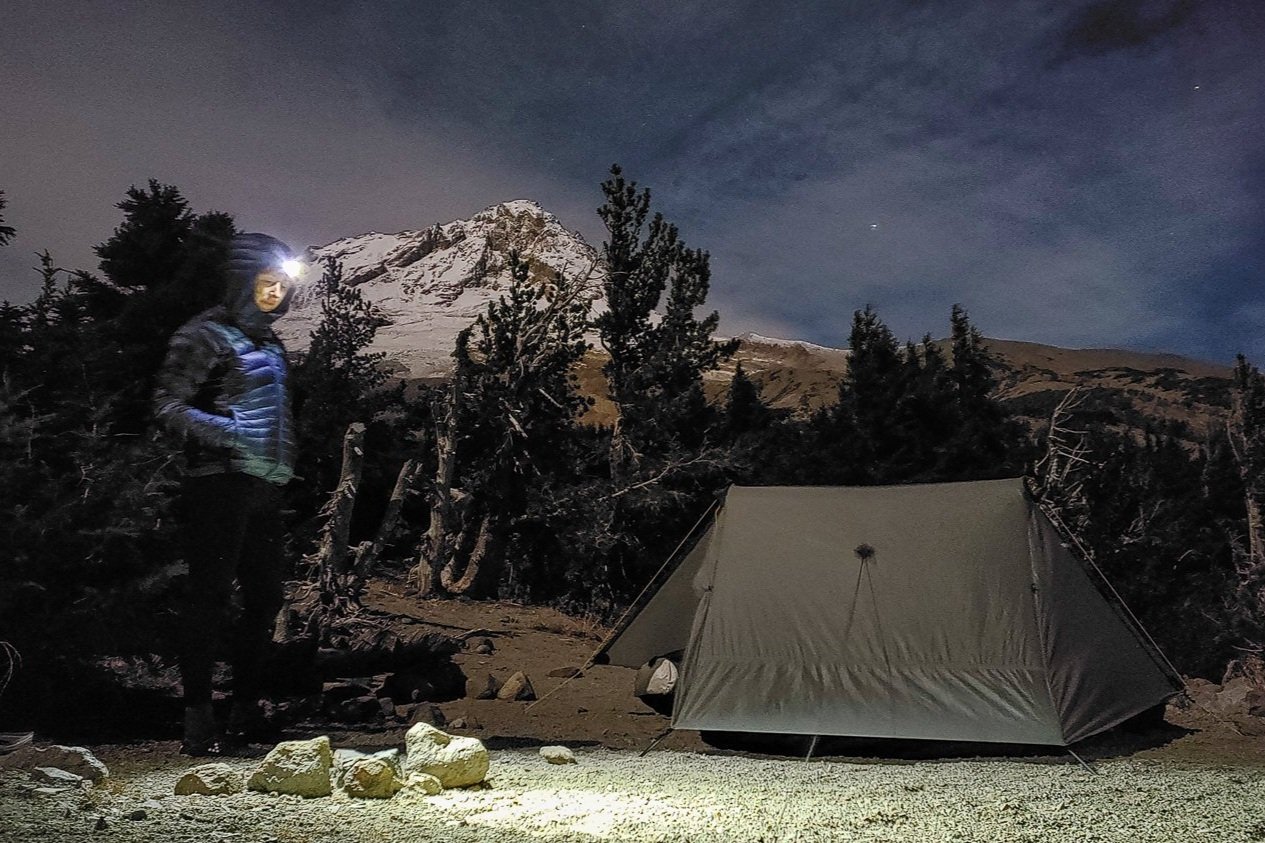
(1109,25)
(1073,174)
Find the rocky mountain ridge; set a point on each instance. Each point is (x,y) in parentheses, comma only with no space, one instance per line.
(432,282)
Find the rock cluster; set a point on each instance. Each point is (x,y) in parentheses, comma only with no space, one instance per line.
(433,760)
(1239,696)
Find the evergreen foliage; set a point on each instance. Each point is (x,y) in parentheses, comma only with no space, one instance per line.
(90,553)
(519,410)
(655,370)
(7,232)
(545,506)
(334,383)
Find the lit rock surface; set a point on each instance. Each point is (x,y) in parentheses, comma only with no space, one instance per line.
(371,778)
(54,776)
(422,784)
(298,768)
(72,759)
(517,687)
(210,780)
(455,761)
(557,754)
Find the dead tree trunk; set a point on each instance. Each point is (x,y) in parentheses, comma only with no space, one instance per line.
(436,546)
(338,593)
(482,565)
(367,553)
(1250,569)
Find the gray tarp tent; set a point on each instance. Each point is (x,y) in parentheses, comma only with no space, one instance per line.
(947,611)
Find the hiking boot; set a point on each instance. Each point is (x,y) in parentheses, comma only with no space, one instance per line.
(201,737)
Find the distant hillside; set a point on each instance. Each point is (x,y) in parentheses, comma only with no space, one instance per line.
(1127,388)
(431,282)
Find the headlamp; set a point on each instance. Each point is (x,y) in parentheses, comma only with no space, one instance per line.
(293,269)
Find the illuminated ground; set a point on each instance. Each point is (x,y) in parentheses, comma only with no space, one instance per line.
(617,796)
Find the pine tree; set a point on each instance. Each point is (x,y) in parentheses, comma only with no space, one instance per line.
(655,371)
(7,232)
(335,383)
(985,442)
(745,410)
(518,405)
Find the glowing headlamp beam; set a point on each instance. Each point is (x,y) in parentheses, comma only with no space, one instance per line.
(293,269)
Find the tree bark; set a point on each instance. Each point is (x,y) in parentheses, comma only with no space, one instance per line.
(367,554)
(483,566)
(436,545)
(338,593)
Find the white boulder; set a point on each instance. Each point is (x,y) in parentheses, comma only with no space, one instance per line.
(298,768)
(557,754)
(210,780)
(455,761)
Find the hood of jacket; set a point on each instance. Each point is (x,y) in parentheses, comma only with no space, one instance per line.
(250,254)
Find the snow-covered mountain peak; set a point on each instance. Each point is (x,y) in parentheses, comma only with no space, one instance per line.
(432,282)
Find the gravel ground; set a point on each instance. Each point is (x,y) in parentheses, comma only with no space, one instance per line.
(671,796)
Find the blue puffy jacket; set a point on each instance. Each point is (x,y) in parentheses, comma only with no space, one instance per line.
(223,385)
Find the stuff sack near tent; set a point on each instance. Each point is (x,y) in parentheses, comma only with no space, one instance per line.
(655,683)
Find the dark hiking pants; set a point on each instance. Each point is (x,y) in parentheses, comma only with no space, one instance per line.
(232,530)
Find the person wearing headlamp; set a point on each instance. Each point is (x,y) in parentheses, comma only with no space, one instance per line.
(223,391)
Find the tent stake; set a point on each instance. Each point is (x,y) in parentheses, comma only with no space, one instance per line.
(655,742)
(812,746)
(1084,763)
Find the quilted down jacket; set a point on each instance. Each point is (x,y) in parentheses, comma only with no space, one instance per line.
(223,388)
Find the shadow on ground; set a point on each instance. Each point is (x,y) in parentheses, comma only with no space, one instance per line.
(1145,731)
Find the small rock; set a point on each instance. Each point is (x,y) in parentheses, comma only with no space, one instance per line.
(371,778)
(405,712)
(1237,697)
(151,804)
(427,713)
(101,824)
(138,814)
(484,647)
(387,706)
(455,761)
(566,672)
(336,692)
(489,690)
(459,723)
(557,754)
(56,777)
(423,784)
(72,759)
(364,709)
(345,758)
(50,791)
(210,780)
(299,768)
(517,687)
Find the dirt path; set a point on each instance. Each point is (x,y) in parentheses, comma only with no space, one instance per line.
(1193,778)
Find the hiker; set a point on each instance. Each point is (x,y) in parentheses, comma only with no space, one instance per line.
(223,391)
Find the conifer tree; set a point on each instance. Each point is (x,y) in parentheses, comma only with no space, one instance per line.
(655,371)
(7,232)
(335,383)
(518,405)
(984,441)
(745,410)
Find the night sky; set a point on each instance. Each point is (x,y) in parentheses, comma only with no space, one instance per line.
(1076,173)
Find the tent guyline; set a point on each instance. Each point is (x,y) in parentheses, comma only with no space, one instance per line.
(625,617)
(986,625)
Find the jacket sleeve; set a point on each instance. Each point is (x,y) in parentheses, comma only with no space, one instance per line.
(191,357)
